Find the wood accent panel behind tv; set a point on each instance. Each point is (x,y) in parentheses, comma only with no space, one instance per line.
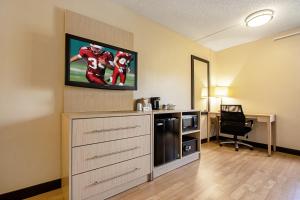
(85,99)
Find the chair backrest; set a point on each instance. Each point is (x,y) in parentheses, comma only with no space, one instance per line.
(232,114)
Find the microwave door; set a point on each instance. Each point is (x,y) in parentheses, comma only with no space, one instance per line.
(187,122)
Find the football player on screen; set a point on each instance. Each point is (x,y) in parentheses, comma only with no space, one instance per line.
(97,61)
(121,63)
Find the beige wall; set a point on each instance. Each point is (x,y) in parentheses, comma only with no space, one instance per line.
(32,78)
(264,76)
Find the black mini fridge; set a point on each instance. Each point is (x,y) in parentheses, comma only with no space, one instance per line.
(166,140)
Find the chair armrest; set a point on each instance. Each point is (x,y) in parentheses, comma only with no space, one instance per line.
(249,123)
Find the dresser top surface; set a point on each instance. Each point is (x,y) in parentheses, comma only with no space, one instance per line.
(75,115)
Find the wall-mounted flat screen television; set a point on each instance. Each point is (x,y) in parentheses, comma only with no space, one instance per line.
(94,64)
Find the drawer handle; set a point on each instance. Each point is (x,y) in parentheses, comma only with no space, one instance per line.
(113,129)
(112,153)
(109,179)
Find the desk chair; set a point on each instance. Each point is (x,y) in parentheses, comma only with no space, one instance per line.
(233,122)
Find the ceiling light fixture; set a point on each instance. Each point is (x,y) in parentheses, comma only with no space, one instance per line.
(259,18)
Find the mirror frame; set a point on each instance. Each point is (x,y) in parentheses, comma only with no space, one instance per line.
(193,58)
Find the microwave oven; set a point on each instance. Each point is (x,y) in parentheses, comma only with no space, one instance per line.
(189,122)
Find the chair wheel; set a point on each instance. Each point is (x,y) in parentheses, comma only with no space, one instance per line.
(236,149)
(221,144)
(251,148)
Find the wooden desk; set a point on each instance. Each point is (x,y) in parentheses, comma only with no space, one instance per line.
(269,119)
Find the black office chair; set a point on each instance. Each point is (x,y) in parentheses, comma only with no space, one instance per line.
(233,122)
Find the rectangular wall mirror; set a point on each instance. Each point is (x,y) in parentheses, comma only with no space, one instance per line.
(200,84)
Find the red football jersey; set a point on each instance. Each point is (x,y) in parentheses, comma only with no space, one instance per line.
(107,57)
(124,59)
(93,60)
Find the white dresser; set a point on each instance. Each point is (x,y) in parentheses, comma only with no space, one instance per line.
(104,154)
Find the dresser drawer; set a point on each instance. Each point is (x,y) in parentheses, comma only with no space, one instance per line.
(94,130)
(85,158)
(95,182)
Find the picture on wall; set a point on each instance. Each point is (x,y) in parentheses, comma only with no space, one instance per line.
(97,65)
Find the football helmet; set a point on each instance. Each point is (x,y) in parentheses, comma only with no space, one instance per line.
(97,49)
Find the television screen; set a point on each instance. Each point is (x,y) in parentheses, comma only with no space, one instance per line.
(97,65)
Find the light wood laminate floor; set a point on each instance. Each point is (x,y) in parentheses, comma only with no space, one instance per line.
(221,174)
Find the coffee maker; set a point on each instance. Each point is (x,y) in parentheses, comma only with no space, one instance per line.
(155,103)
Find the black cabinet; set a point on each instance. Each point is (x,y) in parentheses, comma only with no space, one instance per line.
(166,140)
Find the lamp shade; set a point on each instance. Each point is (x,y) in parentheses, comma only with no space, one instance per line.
(220,91)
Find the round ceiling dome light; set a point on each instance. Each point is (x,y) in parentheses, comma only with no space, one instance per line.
(259,18)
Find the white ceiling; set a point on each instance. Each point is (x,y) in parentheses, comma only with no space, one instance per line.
(218,24)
